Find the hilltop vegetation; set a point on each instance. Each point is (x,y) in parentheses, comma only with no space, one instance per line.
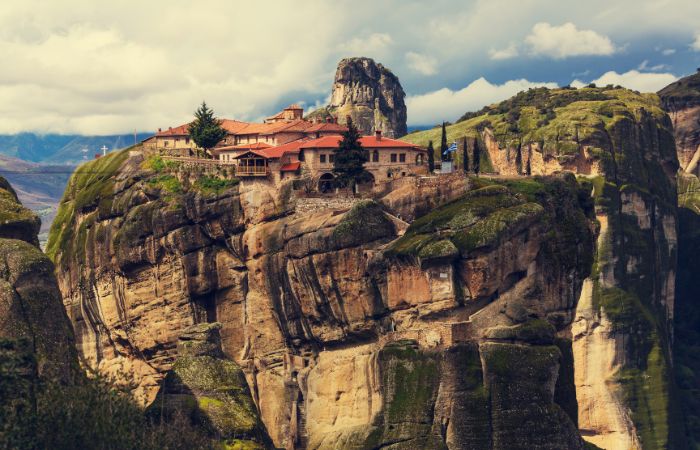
(557,119)
(684,91)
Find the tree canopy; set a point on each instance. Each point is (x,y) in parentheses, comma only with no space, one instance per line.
(206,130)
(431,157)
(443,144)
(350,157)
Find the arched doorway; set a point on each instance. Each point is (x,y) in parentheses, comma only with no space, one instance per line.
(367,183)
(326,183)
(419,159)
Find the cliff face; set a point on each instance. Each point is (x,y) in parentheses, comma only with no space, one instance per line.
(682,101)
(370,94)
(349,336)
(36,340)
(622,143)
(686,345)
(31,312)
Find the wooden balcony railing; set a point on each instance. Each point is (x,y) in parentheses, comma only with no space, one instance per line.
(251,171)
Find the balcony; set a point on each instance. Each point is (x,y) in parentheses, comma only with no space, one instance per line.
(252,171)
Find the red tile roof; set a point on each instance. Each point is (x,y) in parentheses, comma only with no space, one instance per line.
(291,167)
(177,131)
(254,152)
(281,150)
(327,127)
(366,141)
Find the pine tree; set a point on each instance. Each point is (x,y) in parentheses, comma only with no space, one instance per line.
(465,155)
(350,158)
(206,130)
(443,143)
(431,157)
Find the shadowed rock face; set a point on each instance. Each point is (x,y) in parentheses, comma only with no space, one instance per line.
(370,94)
(30,301)
(682,101)
(348,336)
(36,340)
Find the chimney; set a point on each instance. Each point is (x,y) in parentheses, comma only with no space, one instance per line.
(329,120)
(378,135)
(170,128)
(159,130)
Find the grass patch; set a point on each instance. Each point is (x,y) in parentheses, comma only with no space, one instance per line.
(213,185)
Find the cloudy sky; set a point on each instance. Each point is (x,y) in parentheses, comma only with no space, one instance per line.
(111,67)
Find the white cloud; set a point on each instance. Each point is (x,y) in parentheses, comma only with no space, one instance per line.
(505,53)
(633,79)
(696,44)
(446,104)
(372,45)
(104,67)
(668,51)
(423,64)
(655,68)
(567,40)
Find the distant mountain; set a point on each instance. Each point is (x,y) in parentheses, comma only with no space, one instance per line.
(61,148)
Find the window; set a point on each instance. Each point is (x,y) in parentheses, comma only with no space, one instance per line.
(419,159)
(331,158)
(402,157)
(165,143)
(375,156)
(187,141)
(322,158)
(301,155)
(393,157)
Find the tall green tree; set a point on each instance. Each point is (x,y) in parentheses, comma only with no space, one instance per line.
(465,155)
(350,158)
(431,157)
(205,130)
(443,143)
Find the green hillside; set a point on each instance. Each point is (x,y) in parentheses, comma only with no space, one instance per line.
(558,119)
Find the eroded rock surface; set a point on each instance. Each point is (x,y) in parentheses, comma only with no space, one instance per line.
(336,323)
(210,389)
(370,94)
(682,101)
(622,142)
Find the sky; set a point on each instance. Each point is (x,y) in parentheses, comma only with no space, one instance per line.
(87,67)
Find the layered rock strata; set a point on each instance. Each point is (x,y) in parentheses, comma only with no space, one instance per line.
(348,336)
(370,94)
(623,143)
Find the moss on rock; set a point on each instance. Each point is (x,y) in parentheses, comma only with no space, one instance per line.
(211,390)
(365,222)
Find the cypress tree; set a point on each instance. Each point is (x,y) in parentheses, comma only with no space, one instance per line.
(465,155)
(477,156)
(443,143)
(431,157)
(350,157)
(206,130)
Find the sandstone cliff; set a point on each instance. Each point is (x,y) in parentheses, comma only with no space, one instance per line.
(36,340)
(30,307)
(370,94)
(682,101)
(621,142)
(348,336)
